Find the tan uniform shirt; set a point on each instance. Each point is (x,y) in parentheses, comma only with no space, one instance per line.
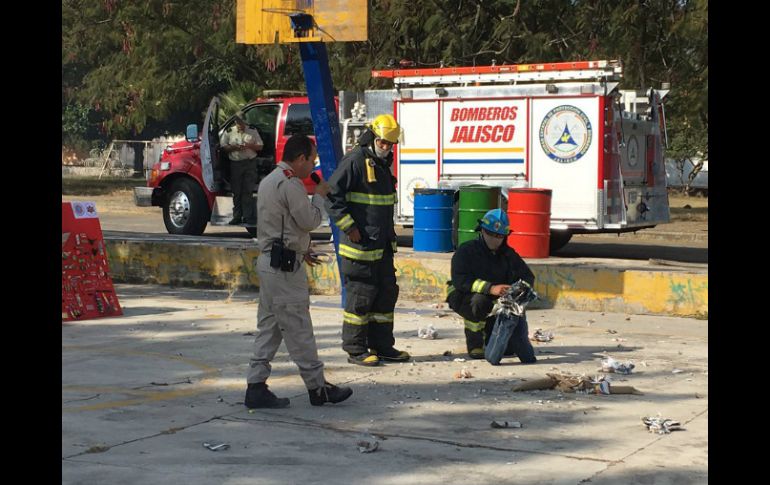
(279,196)
(235,137)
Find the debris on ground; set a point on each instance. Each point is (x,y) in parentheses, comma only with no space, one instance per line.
(505,424)
(577,383)
(459,359)
(611,365)
(97,449)
(447,353)
(464,373)
(428,332)
(661,425)
(611,331)
(214,446)
(540,336)
(677,371)
(368,445)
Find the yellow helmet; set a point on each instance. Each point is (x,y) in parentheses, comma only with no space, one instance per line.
(386,127)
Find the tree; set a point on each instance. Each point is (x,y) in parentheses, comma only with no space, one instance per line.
(149,66)
(145,66)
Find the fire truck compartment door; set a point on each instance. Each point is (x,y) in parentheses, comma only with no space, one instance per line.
(487,136)
(565,154)
(417,151)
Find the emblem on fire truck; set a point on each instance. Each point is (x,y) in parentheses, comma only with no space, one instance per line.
(565,134)
(415,183)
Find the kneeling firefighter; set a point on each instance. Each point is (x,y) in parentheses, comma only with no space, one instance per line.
(483,269)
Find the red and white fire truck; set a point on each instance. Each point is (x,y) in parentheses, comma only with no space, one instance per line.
(561,126)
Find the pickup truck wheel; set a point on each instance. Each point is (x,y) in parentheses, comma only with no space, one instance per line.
(186,210)
(559,239)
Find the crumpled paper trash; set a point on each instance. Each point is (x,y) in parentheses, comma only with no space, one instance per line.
(540,336)
(367,444)
(661,425)
(215,446)
(429,332)
(611,365)
(464,373)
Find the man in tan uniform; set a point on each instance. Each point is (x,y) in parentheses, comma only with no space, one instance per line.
(242,143)
(285,213)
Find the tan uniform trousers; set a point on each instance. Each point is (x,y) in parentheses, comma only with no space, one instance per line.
(284,314)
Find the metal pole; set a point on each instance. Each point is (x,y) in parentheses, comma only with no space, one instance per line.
(326,123)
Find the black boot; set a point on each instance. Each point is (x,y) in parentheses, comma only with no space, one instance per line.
(259,396)
(328,393)
(391,355)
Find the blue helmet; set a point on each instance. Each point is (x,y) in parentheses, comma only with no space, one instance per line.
(495,221)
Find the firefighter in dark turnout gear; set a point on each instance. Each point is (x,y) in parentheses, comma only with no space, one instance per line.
(482,270)
(363,192)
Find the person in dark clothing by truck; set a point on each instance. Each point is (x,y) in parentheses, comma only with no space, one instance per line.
(482,270)
(363,192)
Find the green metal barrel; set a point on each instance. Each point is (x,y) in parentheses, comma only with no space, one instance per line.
(475,201)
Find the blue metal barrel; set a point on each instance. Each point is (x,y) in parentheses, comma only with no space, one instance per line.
(433,220)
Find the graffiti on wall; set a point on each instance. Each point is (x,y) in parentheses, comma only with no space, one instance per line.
(550,280)
(324,277)
(249,268)
(687,293)
(416,279)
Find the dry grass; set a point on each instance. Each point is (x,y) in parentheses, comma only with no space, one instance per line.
(93,186)
(688,208)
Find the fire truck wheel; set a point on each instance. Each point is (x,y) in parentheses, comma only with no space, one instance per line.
(559,239)
(185,211)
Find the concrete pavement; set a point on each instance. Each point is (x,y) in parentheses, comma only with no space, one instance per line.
(142,392)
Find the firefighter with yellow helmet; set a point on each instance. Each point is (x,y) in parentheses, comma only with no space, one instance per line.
(361,199)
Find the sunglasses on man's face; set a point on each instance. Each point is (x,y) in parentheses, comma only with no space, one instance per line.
(494,234)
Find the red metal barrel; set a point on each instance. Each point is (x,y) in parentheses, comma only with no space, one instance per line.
(529,213)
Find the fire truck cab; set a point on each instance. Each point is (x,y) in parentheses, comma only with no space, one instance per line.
(191,181)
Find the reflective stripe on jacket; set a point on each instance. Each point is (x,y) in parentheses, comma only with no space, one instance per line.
(475,269)
(362,195)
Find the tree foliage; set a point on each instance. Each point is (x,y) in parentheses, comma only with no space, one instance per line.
(144,66)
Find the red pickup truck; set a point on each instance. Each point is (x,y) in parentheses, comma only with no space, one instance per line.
(191,181)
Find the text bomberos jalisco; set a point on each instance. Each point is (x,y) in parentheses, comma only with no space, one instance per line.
(486,133)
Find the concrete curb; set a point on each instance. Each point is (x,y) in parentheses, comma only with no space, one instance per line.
(652,236)
(633,287)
